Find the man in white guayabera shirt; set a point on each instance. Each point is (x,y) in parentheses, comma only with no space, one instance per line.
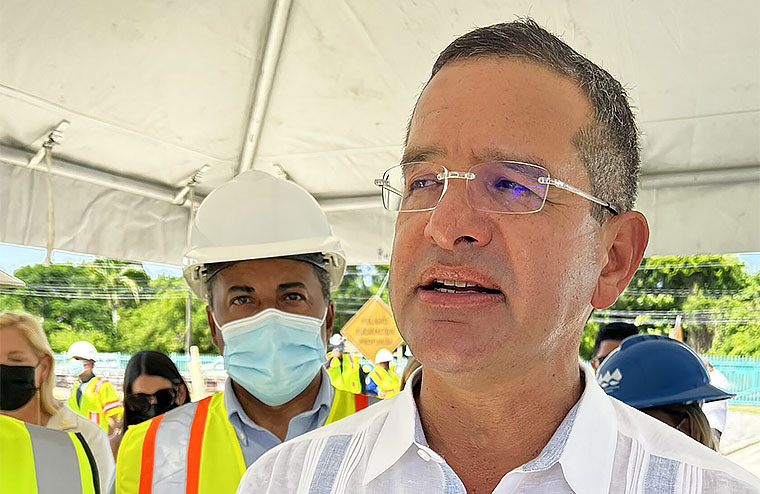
(515,197)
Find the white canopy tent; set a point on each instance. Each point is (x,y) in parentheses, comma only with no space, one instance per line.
(8,280)
(321,91)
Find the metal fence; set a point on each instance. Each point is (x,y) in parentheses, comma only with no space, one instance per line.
(116,361)
(742,372)
(744,375)
(111,366)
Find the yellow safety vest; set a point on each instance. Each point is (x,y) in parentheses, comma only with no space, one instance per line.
(388,382)
(194,449)
(344,373)
(99,401)
(38,460)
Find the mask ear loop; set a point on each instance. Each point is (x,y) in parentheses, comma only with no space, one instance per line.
(38,394)
(324,317)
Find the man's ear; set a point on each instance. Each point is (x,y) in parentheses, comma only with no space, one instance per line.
(216,335)
(624,239)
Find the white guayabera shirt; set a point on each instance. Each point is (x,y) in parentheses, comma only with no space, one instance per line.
(602,446)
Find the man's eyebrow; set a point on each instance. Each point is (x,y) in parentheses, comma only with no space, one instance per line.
(494,154)
(415,154)
(287,286)
(241,288)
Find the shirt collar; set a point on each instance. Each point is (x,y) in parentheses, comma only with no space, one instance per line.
(235,410)
(589,452)
(398,431)
(585,440)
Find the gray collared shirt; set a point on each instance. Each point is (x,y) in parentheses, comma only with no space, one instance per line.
(255,440)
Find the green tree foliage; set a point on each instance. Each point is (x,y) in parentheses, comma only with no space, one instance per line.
(587,340)
(717,299)
(117,307)
(359,284)
(159,324)
(112,304)
(77,302)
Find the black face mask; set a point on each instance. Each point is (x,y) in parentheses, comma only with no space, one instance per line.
(16,386)
(141,407)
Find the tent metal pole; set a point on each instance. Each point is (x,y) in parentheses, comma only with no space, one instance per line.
(63,168)
(263,89)
(687,178)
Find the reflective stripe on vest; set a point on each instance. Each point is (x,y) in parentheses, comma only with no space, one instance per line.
(44,461)
(194,449)
(190,450)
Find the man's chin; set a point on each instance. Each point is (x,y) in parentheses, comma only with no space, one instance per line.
(448,360)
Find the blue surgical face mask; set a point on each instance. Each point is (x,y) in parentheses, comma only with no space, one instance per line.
(76,366)
(274,355)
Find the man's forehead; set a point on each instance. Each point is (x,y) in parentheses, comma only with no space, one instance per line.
(414,154)
(276,271)
(498,109)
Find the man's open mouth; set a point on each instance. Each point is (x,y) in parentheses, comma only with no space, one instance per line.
(455,286)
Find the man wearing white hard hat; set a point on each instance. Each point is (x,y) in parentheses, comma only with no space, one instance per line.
(263,256)
(94,397)
(383,380)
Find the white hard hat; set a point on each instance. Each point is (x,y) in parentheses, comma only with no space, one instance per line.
(259,216)
(9,280)
(82,349)
(336,340)
(383,355)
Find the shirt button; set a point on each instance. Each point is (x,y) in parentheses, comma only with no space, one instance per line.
(423,454)
(429,455)
(435,456)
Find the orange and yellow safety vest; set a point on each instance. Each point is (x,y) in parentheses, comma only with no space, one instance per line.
(194,449)
(99,402)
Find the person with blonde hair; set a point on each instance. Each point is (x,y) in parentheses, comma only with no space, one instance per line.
(27,379)
(664,378)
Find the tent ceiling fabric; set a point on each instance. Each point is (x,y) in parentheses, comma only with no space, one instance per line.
(154,91)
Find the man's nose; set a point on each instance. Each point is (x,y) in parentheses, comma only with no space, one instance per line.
(454,223)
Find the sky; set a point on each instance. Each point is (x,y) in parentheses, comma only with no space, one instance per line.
(13,257)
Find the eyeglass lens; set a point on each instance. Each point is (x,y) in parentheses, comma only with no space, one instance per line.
(141,402)
(495,186)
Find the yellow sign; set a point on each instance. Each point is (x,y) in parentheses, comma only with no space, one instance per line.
(372,328)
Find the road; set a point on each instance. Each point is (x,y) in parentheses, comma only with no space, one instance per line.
(741,440)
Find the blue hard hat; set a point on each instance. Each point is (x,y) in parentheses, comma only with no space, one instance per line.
(650,370)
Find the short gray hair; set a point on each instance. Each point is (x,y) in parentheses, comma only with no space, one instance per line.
(609,147)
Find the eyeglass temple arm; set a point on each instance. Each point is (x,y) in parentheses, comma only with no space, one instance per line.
(383,184)
(562,185)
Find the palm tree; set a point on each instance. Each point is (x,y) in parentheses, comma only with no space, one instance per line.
(122,281)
